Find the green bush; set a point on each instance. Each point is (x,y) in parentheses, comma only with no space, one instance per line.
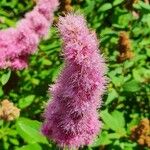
(127,100)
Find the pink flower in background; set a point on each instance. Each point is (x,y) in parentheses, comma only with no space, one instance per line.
(16,44)
(71,118)
(37,23)
(19,62)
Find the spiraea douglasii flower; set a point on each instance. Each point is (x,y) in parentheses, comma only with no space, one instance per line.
(71,118)
(16,44)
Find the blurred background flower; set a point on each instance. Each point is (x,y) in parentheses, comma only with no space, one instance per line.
(8,111)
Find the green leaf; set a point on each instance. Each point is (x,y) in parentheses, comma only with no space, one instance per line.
(128,64)
(131,86)
(148,52)
(105,7)
(103,139)
(34,146)
(108,120)
(35,81)
(145,41)
(46,62)
(120,118)
(137,74)
(1,91)
(118,81)
(117,2)
(27,101)
(111,96)
(124,20)
(29,130)
(114,135)
(5,77)
(114,121)
(90,6)
(56,72)
(14,141)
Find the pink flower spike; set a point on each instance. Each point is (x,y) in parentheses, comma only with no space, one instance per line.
(24,39)
(71,118)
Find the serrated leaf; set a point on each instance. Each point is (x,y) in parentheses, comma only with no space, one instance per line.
(29,130)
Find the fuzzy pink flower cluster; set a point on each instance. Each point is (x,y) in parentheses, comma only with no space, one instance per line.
(16,44)
(71,118)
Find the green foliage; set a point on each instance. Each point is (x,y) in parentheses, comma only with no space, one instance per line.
(127,99)
(29,130)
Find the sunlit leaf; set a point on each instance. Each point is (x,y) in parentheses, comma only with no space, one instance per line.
(29,130)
